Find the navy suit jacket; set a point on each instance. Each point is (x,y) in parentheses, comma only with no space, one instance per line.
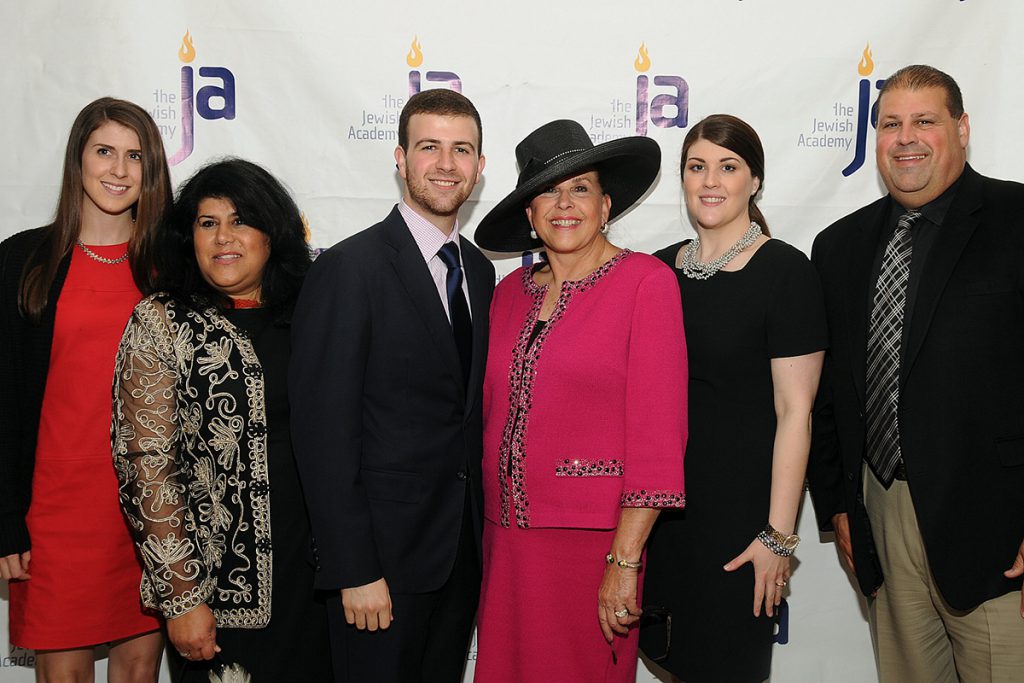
(961,408)
(387,436)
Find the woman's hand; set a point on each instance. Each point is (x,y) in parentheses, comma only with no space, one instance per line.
(15,567)
(617,592)
(771,573)
(194,634)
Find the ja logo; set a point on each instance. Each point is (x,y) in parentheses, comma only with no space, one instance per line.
(654,108)
(415,59)
(867,113)
(212,101)
(781,631)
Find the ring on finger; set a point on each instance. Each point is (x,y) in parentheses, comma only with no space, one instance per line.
(624,612)
(780,584)
(184,654)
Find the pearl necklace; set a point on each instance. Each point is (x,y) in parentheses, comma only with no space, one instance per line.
(96,257)
(698,270)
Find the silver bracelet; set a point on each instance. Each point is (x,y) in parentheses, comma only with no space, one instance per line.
(781,545)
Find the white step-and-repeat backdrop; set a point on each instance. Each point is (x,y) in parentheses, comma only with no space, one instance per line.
(312,89)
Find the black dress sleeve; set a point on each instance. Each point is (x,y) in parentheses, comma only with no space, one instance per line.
(796,323)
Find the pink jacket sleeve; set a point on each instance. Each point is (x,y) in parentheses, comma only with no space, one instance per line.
(656,394)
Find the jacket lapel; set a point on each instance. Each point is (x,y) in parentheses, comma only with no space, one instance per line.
(859,294)
(477,276)
(956,231)
(412,272)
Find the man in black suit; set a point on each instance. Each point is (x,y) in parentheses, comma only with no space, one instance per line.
(389,347)
(917,460)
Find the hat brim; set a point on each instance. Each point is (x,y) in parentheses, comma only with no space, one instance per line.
(627,168)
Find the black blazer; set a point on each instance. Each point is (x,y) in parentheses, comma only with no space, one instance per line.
(24,365)
(961,390)
(386,435)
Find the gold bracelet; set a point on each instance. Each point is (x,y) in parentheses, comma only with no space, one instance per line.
(624,564)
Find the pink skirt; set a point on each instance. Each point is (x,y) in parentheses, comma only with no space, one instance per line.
(538,609)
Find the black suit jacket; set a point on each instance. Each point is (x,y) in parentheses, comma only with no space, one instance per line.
(386,434)
(961,406)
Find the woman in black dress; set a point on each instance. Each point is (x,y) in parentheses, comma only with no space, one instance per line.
(755,332)
(201,434)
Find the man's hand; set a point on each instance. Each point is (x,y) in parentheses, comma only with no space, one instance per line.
(369,606)
(841,526)
(1015,571)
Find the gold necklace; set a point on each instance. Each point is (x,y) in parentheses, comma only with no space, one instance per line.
(96,257)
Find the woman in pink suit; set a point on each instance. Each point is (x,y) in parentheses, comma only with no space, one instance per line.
(584,415)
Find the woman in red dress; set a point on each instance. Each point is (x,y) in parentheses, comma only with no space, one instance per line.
(66,292)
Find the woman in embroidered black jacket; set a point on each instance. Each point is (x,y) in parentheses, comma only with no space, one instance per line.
(201,434)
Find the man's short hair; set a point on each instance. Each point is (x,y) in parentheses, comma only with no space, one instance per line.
(920,76)
(442,102)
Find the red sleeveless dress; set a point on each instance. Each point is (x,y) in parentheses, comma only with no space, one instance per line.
(84,588)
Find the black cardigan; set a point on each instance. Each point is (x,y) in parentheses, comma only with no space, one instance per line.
(24,364)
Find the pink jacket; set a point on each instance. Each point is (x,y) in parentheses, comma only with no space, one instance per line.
(592,417)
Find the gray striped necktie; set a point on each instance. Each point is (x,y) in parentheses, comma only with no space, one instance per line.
(885,335)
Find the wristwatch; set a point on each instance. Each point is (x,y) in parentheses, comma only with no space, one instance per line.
(777,542)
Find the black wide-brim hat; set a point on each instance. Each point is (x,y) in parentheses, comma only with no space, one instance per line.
(626,167)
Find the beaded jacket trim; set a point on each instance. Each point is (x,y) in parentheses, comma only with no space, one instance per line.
(522,375)
(190,452)
(642,498)
(584,467)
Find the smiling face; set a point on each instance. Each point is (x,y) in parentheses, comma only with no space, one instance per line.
(111,173)
(441,167)
(568,216)
(920,148)
(231,255)
(717,187)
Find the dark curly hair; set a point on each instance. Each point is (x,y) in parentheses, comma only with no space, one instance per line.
(263,203)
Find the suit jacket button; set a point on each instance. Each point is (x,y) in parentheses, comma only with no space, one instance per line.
(462,475)
(849,475)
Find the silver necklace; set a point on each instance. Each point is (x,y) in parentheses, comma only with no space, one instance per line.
(698,270)
(96,257)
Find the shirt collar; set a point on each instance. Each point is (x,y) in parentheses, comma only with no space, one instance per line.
(426,235)
(935,210)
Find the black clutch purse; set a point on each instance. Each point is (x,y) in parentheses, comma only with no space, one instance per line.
(656,632)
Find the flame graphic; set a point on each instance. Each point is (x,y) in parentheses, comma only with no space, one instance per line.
(415,56)
(186,52)
(866,65)
(643,60)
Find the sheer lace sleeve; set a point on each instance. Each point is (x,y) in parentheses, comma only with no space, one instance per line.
(154,479)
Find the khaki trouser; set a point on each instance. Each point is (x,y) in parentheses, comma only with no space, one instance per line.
(916,635)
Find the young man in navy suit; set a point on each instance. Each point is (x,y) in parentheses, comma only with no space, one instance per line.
(389,347)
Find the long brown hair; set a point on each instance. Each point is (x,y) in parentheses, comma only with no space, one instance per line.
(153,203)
(735,135)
